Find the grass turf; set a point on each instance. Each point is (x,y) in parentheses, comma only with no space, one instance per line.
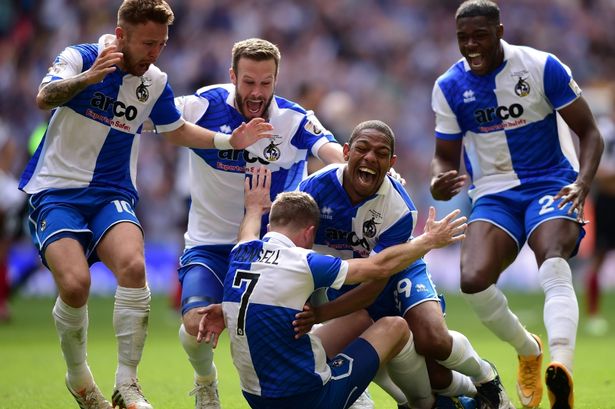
(32,369)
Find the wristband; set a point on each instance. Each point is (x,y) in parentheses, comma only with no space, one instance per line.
(222,141)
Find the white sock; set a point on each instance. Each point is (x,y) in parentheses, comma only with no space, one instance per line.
(460,385)
(72,327)
(201,356)
(561,310)
(464,359)
(409,372)
(491,307)
(383,380)
(130,317)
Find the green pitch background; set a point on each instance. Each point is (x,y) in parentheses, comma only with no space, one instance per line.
(32,369)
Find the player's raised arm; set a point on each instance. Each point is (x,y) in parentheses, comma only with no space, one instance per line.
(393,259)
(256,201)
(243,136)
(55,93)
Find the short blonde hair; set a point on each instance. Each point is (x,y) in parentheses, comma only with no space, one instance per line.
(295,209)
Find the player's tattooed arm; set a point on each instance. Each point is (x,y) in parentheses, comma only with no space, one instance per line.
(56,93)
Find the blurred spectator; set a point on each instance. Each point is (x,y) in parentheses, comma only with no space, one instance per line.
(10,206)
(604,204)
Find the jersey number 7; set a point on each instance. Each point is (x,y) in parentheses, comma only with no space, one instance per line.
(251,279)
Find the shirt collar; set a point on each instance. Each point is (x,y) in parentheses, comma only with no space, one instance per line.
(278,238)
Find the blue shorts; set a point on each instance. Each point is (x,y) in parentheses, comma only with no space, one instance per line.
(82,214)
(201,273)
(403,291)
(520,210)
(351,372)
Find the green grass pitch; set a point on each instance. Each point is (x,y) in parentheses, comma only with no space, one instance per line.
(32,369)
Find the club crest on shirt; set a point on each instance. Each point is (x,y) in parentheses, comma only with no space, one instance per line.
(272,152)
(337,362)
(522,88)
(142,92)
(369,226)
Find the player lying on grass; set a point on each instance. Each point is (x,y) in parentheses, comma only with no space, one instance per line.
(270,280)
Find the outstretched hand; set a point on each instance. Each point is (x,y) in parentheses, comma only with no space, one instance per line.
(247,134)
(447,184)
(211,325)
(449,230)
(573,194)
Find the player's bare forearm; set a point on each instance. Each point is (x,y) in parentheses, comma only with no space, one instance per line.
(57,93)
(393,259)
(256,201)
(360,297)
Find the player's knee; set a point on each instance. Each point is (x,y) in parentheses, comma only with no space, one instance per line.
(75,291)
(131,272)
(396,327)
(474,280)
(433,342)
(191,320)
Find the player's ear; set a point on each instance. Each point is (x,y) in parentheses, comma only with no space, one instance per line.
(346,151)
(393,160)
(233,76)
(499,31)
(268,227)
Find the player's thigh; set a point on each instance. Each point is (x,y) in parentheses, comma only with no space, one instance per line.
(485,252)
(68,265)
(431,337)
(552,232)
(201,275)
(559,237)
(337,334)
(121,250)
(404,290)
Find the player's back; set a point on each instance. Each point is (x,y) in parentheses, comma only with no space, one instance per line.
(267,284)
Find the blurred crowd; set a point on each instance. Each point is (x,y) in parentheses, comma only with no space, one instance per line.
(349,60)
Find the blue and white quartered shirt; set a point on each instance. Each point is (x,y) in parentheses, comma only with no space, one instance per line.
(384,219)
(268,282)
(217,176)
(93,139)
(507,119)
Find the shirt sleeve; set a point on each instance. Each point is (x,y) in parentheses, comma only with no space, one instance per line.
(327,271)
(165,115)
(447,126)
(191,107)
(311,134)
(560,88)
(66,65)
